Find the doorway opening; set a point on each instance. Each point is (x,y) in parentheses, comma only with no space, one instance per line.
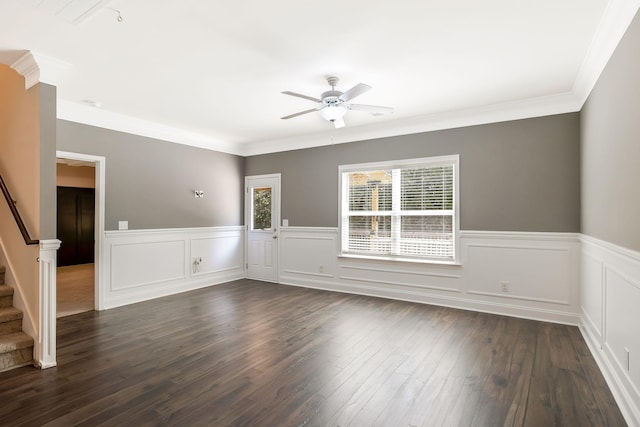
(80,227)
(75,291)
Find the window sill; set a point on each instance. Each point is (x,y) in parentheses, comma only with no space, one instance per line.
(401,260)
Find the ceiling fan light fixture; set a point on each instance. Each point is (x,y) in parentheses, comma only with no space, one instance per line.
(333,112)
(333,105)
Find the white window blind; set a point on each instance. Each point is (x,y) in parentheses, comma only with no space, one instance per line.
(403,209)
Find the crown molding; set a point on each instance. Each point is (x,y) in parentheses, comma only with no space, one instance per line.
(611,28)
(616,19)
(38,68)
(78,113)
(51,69)
(506,111)
(27,66)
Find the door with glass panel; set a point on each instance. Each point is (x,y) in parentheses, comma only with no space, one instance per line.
(262,217)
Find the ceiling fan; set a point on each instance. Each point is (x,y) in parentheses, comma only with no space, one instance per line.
(333,104)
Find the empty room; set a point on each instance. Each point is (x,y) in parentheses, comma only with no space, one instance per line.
(330,214)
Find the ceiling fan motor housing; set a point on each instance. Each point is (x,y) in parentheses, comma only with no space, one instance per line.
(331,98)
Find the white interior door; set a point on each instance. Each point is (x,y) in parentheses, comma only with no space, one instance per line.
(262,216)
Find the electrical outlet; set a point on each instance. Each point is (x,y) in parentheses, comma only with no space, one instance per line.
(504,286)
(627,358)
(321,269)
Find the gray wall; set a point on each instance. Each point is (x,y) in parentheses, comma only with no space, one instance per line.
(48,194)
(522,175)
(610,127)
(150,183)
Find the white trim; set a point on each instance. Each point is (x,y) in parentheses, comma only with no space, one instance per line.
(630,254)
(503,309)
(625,264)
(514,110)
(45,345)
(100,187)
(393,283)
(612,26)
(79,113)
(146,232)
(615,20)
(495,294)
(310,262)
(36,68)
(318,230)
(400,164)
(395,213)
(130,273)
(622,397)
(307,273)
(397,271)
(28,68)
(518,235)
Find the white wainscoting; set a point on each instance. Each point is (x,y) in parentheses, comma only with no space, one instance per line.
(541,270)
(146,264)
(611,318)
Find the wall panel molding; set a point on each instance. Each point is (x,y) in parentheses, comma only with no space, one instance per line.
(610,303)
(309,257)
(147,264)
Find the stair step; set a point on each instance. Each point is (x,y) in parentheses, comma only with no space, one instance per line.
(15,341)
(16,350)
(6,296)
(10,320)
(10,313)
(3,269)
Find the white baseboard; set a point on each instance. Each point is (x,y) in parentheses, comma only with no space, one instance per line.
(610,318)
(542,270)
(511,310)
(147,264)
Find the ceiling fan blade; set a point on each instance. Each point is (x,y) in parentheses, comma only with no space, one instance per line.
(299,95)
(338,123)
(357,90)
(373,109)
(299,114)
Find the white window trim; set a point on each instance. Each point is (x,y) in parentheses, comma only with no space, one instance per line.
(430,161)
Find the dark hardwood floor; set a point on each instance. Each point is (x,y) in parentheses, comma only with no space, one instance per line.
(256,354)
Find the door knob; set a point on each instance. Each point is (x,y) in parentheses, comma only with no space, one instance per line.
(275,236)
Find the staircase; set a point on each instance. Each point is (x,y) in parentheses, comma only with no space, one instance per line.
(16,347)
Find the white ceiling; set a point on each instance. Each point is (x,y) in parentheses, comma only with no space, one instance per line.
(213,71)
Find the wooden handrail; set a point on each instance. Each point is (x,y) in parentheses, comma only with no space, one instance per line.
(16,215)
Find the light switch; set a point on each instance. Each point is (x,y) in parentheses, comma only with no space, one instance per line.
(123,225)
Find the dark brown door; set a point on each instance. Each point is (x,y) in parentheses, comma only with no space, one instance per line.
(76,213)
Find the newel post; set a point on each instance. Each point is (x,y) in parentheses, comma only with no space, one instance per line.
(45,348)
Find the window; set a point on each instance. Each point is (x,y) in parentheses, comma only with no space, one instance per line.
(405,210)
(261,209)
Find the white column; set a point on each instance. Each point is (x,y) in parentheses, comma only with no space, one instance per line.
(45,348)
